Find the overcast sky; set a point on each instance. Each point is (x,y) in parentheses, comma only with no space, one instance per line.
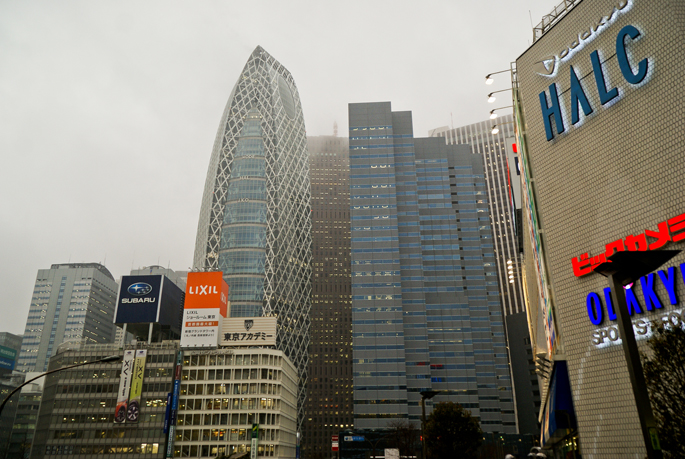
(109,109)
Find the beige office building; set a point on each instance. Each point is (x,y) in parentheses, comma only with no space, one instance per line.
(600,131)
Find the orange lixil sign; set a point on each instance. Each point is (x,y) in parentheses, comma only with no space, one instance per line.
(207,290)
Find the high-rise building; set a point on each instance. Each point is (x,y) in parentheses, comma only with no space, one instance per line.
(71,301)
(492,148)
(425,298)
(255,218)
(329,408)
(507,234)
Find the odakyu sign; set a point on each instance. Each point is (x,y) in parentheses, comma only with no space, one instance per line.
(634,74)
(658,293)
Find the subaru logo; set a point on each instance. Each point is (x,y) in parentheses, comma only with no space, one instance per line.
(139,289)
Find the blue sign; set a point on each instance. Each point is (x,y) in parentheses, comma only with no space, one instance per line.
(167,415)
(651,300)
(354,438)
(138,299)
(6,363)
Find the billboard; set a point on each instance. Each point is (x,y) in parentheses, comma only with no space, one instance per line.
(249,331)
(8,357)
(147,299)
(124,387)
(139,299)
(133,410)
(206,305)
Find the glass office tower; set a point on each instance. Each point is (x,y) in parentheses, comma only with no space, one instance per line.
(255,218)
(425,299)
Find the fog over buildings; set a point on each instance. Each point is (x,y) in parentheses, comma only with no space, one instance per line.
(109,111)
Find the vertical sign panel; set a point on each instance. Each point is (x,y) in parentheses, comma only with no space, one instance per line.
(174,406)
(133,411)
(206,305)
(255,439)
(124,387)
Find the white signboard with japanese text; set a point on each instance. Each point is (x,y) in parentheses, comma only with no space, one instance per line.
(201,327)
(249,331)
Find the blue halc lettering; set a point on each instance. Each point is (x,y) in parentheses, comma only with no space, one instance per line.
(606,93)
(548,111)
(622,56)
(578,96)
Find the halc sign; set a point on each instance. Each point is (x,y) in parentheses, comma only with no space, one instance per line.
(633,75)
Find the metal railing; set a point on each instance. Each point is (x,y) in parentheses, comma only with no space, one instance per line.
(552,18)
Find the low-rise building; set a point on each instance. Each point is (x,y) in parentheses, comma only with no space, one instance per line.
(224,396)
(226,393)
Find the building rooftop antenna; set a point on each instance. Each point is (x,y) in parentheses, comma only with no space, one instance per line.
(335,128)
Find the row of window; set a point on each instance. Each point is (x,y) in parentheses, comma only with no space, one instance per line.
(230,403)
(231,359)
(237,389)
(242,419)
(215,451)
(205,435)
(89,434)
(100,388)
(99,418)
(70,450)
(228,374)
(86,403)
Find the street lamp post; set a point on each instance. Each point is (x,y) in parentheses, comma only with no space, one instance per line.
(111,358)
(623,268)
(426,394)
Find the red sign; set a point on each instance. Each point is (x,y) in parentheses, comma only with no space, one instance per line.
(334,438)
(672,230)
(334,443)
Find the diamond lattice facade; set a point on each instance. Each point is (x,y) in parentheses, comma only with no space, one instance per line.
(255,219)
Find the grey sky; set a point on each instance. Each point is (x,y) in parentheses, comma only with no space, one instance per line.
(108,110)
